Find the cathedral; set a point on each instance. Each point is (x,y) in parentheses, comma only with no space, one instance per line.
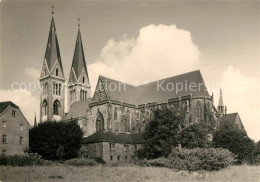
(114,119)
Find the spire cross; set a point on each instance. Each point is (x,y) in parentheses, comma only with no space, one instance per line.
(52,7)
(79,22)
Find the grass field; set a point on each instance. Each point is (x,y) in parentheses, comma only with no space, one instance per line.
(128,173)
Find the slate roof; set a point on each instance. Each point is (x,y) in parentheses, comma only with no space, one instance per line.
(229,117)
(136,138)
(5,105)
(52,50)
(150,92)
(232,118)
(79,63)
(79,109)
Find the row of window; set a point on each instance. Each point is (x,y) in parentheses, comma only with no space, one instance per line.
(118,158)
(56,107)
(128,115)
(126,147)
(57,88)
(4,124)
(4,139)
(83,95)
(56,72)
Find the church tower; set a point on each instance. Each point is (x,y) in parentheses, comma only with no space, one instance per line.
(222,110)
(52,80)
(78,85)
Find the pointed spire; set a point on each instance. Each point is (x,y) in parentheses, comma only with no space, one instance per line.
(35,121)
(52,53)
(79,62)
(220,98)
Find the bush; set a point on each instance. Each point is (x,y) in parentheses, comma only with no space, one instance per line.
(194,159)
(100,160)
(23,160)
(81,162)
(56,140)
(195,136)
(230,137)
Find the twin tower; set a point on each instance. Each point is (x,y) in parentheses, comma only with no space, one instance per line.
(52,79)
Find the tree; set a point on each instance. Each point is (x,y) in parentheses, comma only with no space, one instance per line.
(195,136)
(161,134)
(229,136)
(53,140)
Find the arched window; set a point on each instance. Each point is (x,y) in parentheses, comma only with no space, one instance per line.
(83,79)
(46,88)
(45,72)
(115,114)
(100,122)
(59,88)
(57,71)
(45,107)
(53,89)
(56,107)
(198,111)
(128,121)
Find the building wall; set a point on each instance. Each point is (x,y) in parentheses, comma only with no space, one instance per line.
(117,153)
(13,132)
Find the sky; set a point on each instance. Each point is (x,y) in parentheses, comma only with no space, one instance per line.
(138,42)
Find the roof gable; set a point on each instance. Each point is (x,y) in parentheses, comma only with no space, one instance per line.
(5,105)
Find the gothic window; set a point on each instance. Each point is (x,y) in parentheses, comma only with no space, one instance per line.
(57,71)
(45,72)
(147,115)
(44,105)
(54,86)
(56,107)
(99,122)
(80,94)
(59,88)
(45,88)
(137,115)
(127,120)
(74,94)
(115,114)
(83,80)
(198,111)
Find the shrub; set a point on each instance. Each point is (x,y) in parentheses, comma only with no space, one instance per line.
(100,160)
(230,137)
(23,160)
(194,159)
(81,162)
(56,140)
(195,136)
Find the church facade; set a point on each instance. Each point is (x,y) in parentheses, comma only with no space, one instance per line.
(114,119)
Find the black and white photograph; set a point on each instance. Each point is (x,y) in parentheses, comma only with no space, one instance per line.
(135,91)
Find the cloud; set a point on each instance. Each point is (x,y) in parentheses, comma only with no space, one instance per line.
(32,73)
(28,103)
(241,94)
(162,51)
(158,52)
